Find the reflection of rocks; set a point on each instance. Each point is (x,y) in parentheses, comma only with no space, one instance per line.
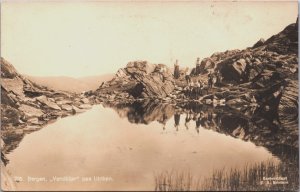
(11,139)
(257,125)
(26,107)
(260,127)
(144,112)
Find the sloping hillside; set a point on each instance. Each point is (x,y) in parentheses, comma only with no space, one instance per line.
(70,84)
(27,106)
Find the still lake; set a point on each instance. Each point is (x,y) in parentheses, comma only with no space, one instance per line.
(124,155)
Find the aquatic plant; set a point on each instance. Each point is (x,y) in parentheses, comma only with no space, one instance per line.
(264,176)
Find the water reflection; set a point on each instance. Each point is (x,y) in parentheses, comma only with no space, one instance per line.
(261,127)
(100,143)
(150,136)
(144,112)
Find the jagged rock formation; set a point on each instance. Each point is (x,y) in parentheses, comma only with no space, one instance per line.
(266,74)
(262,75)
(27,107)
(260,81)
(285,42)
(280,50)
(141,79)
(256,100)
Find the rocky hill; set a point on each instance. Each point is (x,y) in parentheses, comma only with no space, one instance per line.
(268,71)
(265,75)
(27,107)
(139,79)
(256,98)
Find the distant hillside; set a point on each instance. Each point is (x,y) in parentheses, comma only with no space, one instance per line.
(71,84)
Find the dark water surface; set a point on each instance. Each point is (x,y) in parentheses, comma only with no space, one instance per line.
(124,149)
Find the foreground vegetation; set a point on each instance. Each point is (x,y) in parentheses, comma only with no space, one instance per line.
(250,178)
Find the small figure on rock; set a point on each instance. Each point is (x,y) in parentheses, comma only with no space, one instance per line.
(198,68)
(218,79)
(176,70)
(198,86)
(188,79)
(210,80)
(101,84)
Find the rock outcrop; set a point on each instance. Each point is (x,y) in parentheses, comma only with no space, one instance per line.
(27,107)
(265,74)
(141,79)
(256,99)
(259,75)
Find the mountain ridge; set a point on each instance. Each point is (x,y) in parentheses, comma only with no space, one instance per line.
(71,84)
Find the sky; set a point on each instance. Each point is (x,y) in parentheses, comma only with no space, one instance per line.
(87,38)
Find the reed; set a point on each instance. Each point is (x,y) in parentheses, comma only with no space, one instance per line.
(249,178)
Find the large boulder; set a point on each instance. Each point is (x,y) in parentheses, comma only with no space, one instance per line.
(50,104)
(156,82)
(14,85)
(155,85)
(289,100)
(140,67)
(206,65)
(9,115)
(231,70)
(240,66)
(7,70)
(30,111)
(121,73)
(8,98)
(140,79)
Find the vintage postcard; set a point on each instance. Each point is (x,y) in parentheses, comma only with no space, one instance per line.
(149,96)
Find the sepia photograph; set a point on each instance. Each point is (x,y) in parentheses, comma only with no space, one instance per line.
(149,95)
